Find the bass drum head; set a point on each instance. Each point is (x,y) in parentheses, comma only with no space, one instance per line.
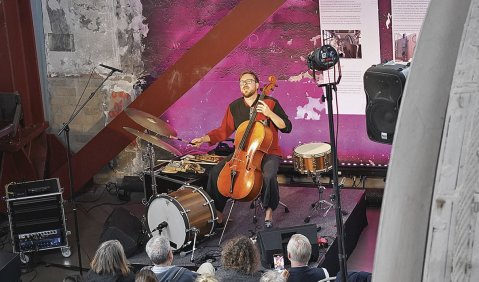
(165,208)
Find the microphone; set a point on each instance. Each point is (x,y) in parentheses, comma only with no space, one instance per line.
(183,254)
(160,226)
(111,68)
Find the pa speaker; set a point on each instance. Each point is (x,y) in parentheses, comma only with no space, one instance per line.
(121,225)
(272,242)
(384,86)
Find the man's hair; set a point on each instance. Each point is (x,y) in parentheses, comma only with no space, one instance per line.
(240,254)
(252,73)
(110,259)
(299,249)
(157,249)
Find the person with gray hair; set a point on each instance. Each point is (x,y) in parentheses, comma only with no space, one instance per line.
(159,251)
(110,264)
(299,253)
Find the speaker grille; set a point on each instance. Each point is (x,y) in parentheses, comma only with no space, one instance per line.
(384,85)
(382,116)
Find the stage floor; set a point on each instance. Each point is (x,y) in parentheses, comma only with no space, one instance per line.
(94,206)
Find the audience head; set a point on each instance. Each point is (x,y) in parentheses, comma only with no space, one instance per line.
(110,259)
(146,275)
(206,278)
(159,251)
(299,249)
(240,254)
(274,276)
(73,278)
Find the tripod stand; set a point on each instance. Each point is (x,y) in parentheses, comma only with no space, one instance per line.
(66,130)
(320,204)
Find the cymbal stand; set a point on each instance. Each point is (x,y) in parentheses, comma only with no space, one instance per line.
(320,204)
(149,156)
(151,151)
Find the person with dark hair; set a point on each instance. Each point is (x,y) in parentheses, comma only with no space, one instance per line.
(159,251)
(299,253)
(110,264)
(240,261)
(272,115)
(356,276)
(73,278)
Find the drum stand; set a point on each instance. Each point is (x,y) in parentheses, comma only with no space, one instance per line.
(195,231)
(320,204)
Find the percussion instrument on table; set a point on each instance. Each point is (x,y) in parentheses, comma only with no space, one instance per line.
(186,211)
(312,157)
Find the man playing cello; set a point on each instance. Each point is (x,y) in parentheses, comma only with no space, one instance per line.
(272,115)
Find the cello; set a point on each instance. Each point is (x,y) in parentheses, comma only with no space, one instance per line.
(241,178)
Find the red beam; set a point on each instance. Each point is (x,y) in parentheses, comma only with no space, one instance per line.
(19,59)
(170,86)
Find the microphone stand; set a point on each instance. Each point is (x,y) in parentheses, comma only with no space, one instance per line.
(337,195)
(66,129)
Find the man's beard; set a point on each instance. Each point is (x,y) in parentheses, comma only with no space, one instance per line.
(249,93)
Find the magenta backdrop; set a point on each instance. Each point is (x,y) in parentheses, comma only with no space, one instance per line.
(277,48)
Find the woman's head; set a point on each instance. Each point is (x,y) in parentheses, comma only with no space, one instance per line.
(145,275)
(110,259)
(206,278)
(240,254)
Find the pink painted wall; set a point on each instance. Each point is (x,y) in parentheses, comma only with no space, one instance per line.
(277,48)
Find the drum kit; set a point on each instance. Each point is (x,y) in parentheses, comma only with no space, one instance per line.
(313,159)
(183,216)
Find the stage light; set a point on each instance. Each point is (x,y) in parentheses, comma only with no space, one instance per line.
(323,58)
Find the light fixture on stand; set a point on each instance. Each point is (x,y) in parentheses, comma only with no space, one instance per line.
(323,59)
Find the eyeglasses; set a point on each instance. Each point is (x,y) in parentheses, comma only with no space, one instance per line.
(248,81)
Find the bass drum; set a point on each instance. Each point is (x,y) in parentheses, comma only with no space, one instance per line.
(188,209)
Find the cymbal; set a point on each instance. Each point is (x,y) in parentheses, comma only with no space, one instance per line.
(151,122)
(153,140)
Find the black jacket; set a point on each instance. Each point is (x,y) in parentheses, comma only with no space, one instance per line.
(177,274)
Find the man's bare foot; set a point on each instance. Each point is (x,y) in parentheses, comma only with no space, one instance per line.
(268,214)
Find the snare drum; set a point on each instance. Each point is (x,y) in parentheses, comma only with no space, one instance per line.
(185,209)
(312,158)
